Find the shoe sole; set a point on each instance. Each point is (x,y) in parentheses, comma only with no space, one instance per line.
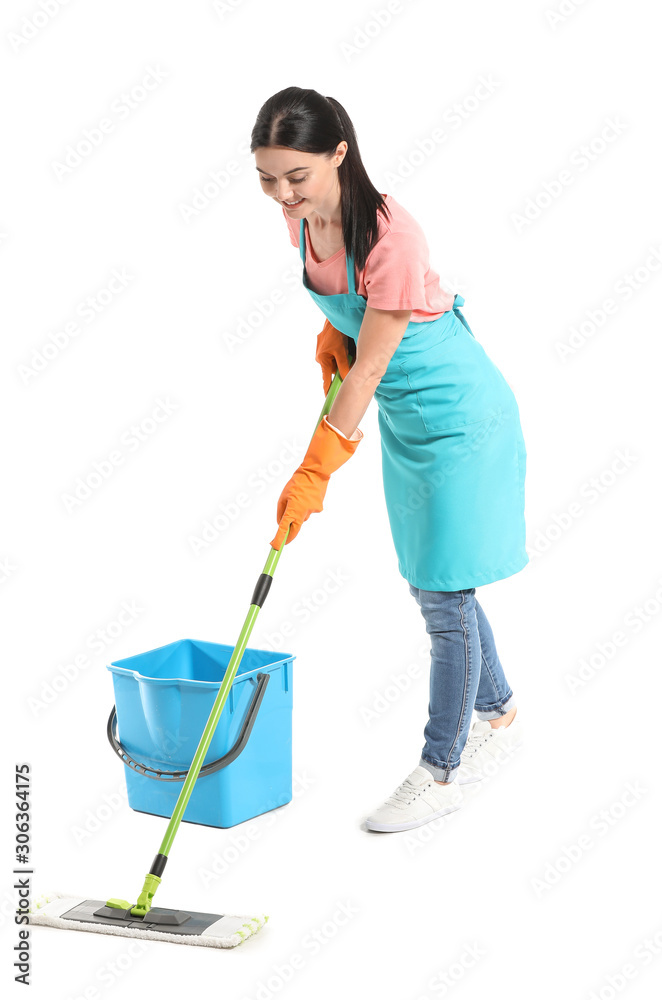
(401,827)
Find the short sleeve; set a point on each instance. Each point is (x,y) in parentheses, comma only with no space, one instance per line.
(294,232)
(396,271)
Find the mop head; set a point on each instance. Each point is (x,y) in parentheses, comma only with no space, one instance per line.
(211,930)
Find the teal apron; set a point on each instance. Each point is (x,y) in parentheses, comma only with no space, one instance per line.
(453,454)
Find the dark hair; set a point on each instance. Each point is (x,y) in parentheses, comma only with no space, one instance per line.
(308,121)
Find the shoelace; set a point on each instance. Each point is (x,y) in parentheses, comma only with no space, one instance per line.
(475,742)
(405,793)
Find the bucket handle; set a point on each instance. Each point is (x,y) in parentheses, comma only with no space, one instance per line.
(214,765)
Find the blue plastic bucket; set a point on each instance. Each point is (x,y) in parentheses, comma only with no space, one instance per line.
(163,699)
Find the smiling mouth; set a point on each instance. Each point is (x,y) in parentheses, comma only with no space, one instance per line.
(293,204)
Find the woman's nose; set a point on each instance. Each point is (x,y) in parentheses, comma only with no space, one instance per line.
(285,191)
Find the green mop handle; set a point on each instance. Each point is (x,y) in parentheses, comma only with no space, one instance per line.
(153,878)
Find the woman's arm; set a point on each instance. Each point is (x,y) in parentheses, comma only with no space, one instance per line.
(381,332)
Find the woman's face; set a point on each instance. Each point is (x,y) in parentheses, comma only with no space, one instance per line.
(310,180)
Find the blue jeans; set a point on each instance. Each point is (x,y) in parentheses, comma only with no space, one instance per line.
(465,674)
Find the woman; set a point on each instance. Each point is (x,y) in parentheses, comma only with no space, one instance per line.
(453,455)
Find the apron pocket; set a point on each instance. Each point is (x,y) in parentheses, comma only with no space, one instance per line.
(455,383)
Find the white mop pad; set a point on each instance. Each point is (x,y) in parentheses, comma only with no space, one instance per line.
(226,932)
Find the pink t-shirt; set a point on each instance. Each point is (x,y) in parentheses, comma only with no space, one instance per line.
(397,272)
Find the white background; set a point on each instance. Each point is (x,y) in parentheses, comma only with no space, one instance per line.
(495,877)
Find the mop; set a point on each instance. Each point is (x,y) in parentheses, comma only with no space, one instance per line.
(212,930)
(142,920)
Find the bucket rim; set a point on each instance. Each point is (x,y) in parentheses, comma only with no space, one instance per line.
(114,665)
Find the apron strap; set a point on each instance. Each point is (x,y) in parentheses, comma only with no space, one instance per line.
(457,302)
(351,283)
(349,261)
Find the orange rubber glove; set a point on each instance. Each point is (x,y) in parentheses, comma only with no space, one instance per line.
(304,493)
(332,354)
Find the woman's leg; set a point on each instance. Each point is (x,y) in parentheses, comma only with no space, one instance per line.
(455,673)
(494,697)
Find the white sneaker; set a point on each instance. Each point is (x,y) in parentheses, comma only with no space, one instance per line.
(416,801)
(486,748)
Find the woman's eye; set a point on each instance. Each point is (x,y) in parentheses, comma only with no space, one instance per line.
(295,180)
